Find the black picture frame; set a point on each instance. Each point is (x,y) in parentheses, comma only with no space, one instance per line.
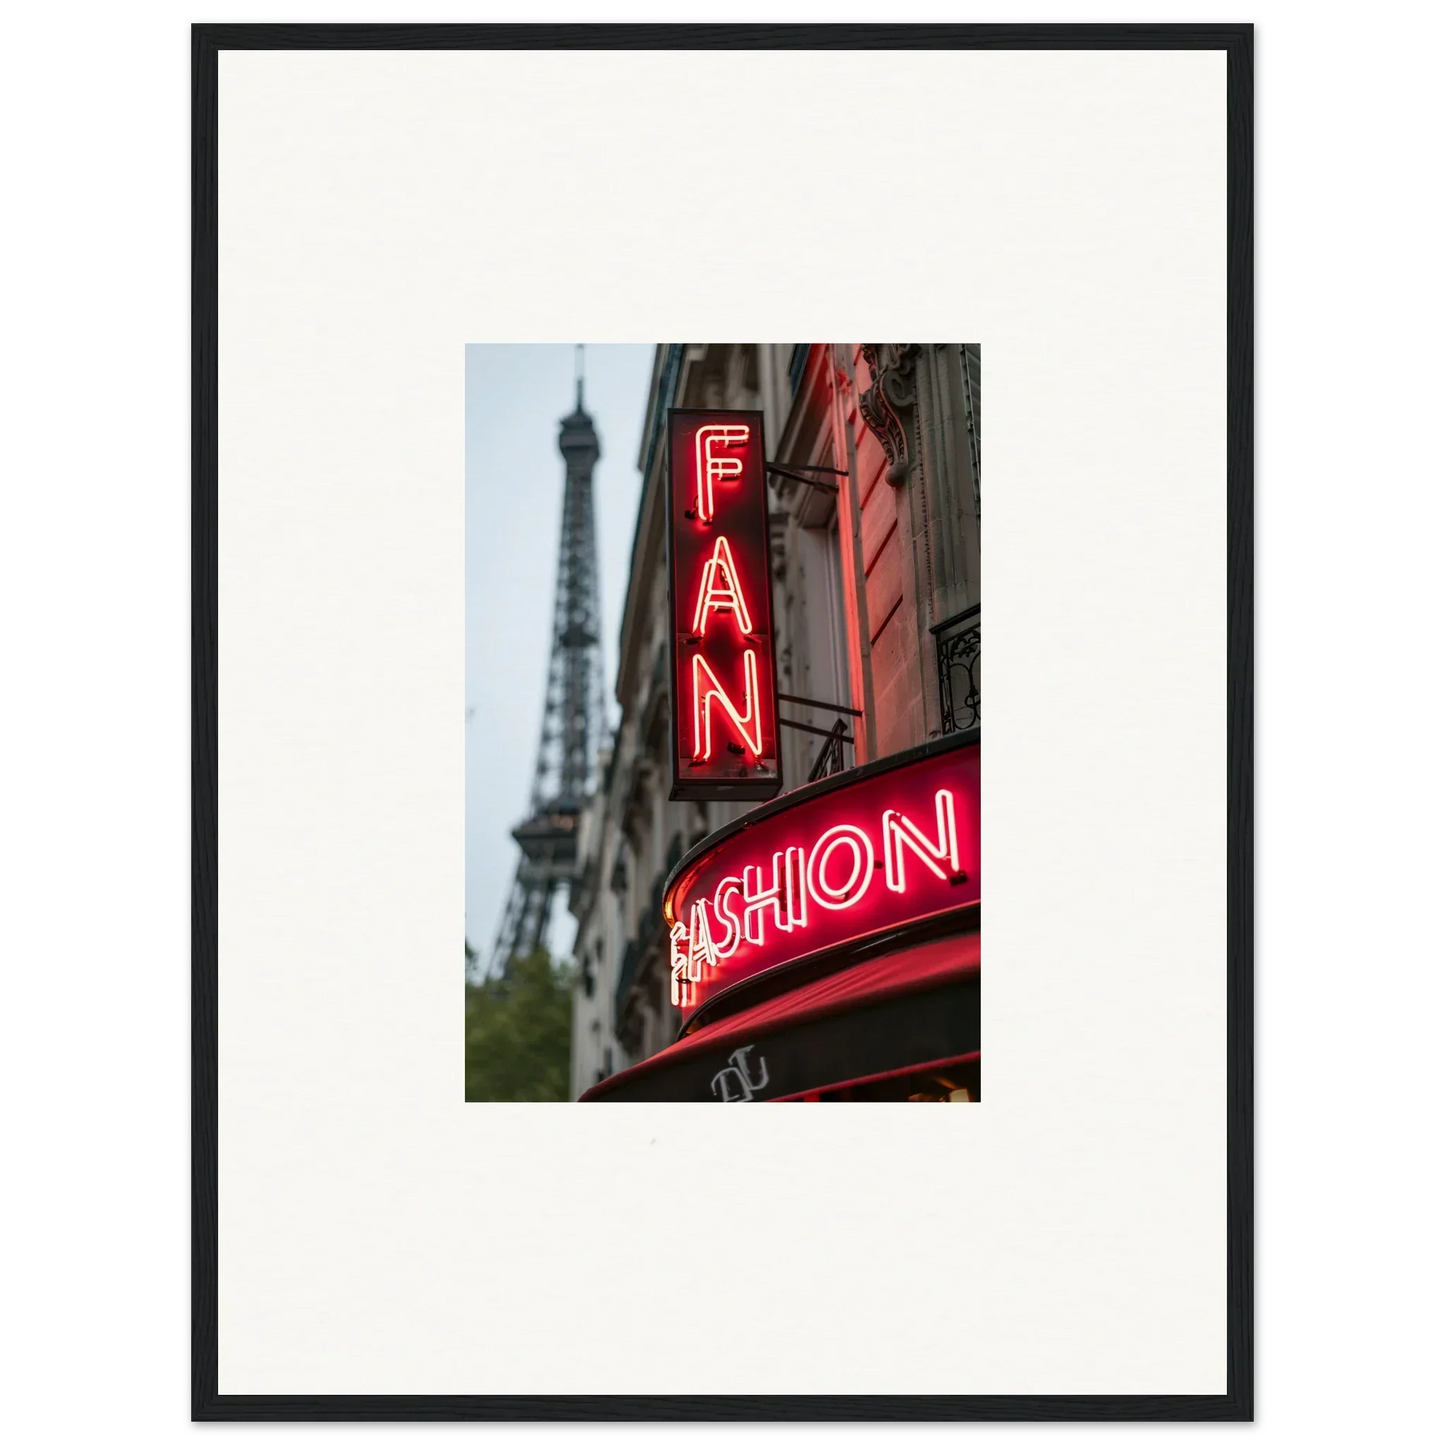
(1237,1401)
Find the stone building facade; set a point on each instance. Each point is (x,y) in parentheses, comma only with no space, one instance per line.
(875,553)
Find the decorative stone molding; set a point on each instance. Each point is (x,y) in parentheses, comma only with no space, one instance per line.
(885,403)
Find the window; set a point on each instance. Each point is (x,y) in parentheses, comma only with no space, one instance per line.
(798,366)
(819,641)
(838,650)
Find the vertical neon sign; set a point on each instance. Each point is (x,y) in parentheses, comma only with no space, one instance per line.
(724,674)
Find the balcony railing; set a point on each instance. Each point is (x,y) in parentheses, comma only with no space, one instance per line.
(957,640)
(830,755)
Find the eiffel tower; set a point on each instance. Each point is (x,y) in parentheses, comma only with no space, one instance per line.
(572,718)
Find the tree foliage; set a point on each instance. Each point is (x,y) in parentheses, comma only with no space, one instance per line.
(519,1033)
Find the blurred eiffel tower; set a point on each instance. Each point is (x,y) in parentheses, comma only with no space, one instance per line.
(572,718)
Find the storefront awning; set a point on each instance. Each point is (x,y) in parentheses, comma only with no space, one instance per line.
(909,1007)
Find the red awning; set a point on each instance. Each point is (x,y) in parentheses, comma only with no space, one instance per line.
(923,966)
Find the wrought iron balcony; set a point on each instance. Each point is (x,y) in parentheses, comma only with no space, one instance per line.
(957,641)
(830,755)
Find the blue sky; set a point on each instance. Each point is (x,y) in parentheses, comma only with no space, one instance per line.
(515,398)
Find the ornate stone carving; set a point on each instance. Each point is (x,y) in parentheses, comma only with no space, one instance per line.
(886,405)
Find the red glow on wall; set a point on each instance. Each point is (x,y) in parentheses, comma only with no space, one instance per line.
(724,716)
(898,845)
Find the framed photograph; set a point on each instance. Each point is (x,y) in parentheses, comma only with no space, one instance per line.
(574,581)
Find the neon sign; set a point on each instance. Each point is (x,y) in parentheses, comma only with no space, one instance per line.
(721,591)
(832,864)
(724,715)
(710,467)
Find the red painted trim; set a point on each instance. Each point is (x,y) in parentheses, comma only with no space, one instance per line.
(919,968)
(816,1094)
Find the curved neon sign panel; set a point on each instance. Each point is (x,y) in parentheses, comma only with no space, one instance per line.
(843,861)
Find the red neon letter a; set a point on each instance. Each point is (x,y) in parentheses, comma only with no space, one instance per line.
(722,590)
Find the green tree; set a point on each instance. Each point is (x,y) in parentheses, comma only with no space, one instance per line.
(519,1033)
